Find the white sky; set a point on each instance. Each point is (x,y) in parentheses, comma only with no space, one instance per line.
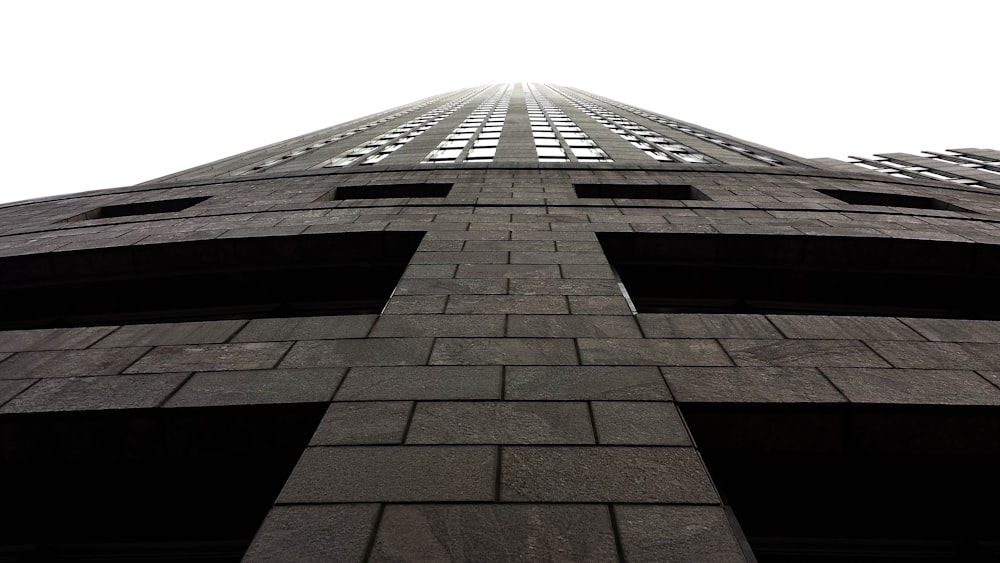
(100,94)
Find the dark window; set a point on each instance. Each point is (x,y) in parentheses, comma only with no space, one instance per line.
(387,191)
(806,275)
(854,482)
(145,485)
(305,275)
(638,191)
(140,208)
(892,200)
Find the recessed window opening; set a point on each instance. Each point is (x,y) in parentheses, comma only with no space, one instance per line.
(387,191)
(139,208)
(638,191)
(786,274)
(856,483)
(892,200)
(293,276)
(185,484)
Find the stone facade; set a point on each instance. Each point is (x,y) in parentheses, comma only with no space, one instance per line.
(508,402)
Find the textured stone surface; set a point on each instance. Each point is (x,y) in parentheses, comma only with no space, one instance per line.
(676,533)
(9,388)
(306,328)
(639,423)
(504,351)
(936,355)
(533,422)
(604,474)
(956,330)
(827,327)
(392,474)
(706,326)
(439,325)
(96,393)
(205,332)
(360,352)
(750,385)
(562,326)
(914,386)
(71,363)
(323,532)
(839,353)
(421,383)
(51,338)
(211,357)
(624,352)
(363,423)
(571,383)
(495,532)
(258,387)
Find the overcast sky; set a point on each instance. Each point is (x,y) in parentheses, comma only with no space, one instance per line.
(102,94)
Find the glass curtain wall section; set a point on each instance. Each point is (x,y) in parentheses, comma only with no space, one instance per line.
(476,138)
(378,149)
(655,145)
(557,137)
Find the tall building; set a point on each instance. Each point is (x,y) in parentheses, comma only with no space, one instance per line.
(513,322)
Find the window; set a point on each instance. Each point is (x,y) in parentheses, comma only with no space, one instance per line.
(291,276)
(140,208)
(178,497)
(693,273)
(835,482)
(892,200)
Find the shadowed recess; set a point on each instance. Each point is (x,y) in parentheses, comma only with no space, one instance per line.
(145,485)
(289,276)
(856,483)
(798,274)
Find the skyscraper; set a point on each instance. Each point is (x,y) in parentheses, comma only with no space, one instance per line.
(512,322)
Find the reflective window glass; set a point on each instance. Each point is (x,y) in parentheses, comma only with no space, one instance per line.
(550,152)
(444,154)
(481,153)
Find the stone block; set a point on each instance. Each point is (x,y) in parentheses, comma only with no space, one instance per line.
(639,423)
(381,422)
(838,327)
(750,385)
(211,357)
(256,387)
(315,532)
(439,325)
(52,338)
(71,363)
(358,352)
(625,352)
(657,325)
(507,304)
(306,328)
(803,353)
(495,532)
(392,474)
(421,383)
(106,392)
(956,330)
(504,351)
(934,355)
(914,386)
(507,422)
(622,474)
(169,334)
(583,383)
(570,326)
(698,534)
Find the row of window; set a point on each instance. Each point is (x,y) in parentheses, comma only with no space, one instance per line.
(725,143)
(557,137)
(379,148)
(900,168)
(340,136)
(655,145)
(477,137)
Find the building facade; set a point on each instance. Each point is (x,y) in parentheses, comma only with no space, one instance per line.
(512,322)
